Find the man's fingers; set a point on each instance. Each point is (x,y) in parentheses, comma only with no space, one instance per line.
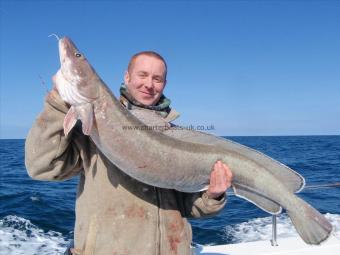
(220,179)
(213,177)
(220,175)
(228,175)
(228,172)
(223,182)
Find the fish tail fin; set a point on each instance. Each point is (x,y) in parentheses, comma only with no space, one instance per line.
(311,225)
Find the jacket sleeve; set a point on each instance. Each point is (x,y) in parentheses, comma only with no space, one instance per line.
(198,205)
(49,155)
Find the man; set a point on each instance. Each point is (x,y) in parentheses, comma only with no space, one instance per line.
(116,214)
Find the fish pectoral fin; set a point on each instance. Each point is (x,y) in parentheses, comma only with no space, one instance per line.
(85,112)
(261,201)
(70,120)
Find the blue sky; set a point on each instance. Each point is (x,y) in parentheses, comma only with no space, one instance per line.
(246,67)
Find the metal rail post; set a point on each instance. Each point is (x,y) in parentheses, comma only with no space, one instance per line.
(274,232)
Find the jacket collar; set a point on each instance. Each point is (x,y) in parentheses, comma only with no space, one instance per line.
(162,107)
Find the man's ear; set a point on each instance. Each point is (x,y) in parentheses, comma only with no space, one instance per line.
(126,77)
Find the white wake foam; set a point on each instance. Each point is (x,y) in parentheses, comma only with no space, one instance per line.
(20,237)
(261,229)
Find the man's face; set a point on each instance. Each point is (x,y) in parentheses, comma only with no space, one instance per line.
(146,79)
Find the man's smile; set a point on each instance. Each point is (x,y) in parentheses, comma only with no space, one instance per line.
(147,93)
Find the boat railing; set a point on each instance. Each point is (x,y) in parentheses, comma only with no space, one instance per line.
(273,241)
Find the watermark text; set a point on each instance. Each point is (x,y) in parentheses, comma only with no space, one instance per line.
(167,127)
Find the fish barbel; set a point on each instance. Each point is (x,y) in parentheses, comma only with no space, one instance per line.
(177,159)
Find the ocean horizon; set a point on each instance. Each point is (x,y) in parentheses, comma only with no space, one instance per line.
(37,217)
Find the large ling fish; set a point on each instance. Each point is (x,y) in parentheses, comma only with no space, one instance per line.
(177,159)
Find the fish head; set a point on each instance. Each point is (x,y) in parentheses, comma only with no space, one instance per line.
(77,71)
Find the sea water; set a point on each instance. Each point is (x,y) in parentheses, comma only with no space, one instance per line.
(38,217)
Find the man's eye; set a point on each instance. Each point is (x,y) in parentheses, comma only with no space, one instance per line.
(158,80)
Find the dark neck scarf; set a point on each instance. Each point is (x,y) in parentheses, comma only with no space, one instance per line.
(162,106)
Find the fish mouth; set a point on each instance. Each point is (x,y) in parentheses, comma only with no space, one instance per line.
(67,63)
(76,71)
(66,49)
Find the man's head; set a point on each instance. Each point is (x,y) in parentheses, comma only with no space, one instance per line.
(146,77)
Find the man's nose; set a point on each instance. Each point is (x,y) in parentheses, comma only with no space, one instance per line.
(148,83)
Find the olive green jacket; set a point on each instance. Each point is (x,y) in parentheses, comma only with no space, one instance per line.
(115,214)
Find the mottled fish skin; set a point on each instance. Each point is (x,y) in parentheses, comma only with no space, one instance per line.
(167,160)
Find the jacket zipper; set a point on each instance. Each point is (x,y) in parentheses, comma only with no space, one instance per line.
(159,232)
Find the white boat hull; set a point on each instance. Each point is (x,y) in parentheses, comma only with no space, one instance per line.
(286,246)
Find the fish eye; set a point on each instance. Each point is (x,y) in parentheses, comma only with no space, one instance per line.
(77,54)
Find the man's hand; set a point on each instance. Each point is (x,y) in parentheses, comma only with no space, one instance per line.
(220,180)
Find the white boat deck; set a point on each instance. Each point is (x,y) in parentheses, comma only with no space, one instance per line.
(286,246)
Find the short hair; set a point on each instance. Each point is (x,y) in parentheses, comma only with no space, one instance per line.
(150,54)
